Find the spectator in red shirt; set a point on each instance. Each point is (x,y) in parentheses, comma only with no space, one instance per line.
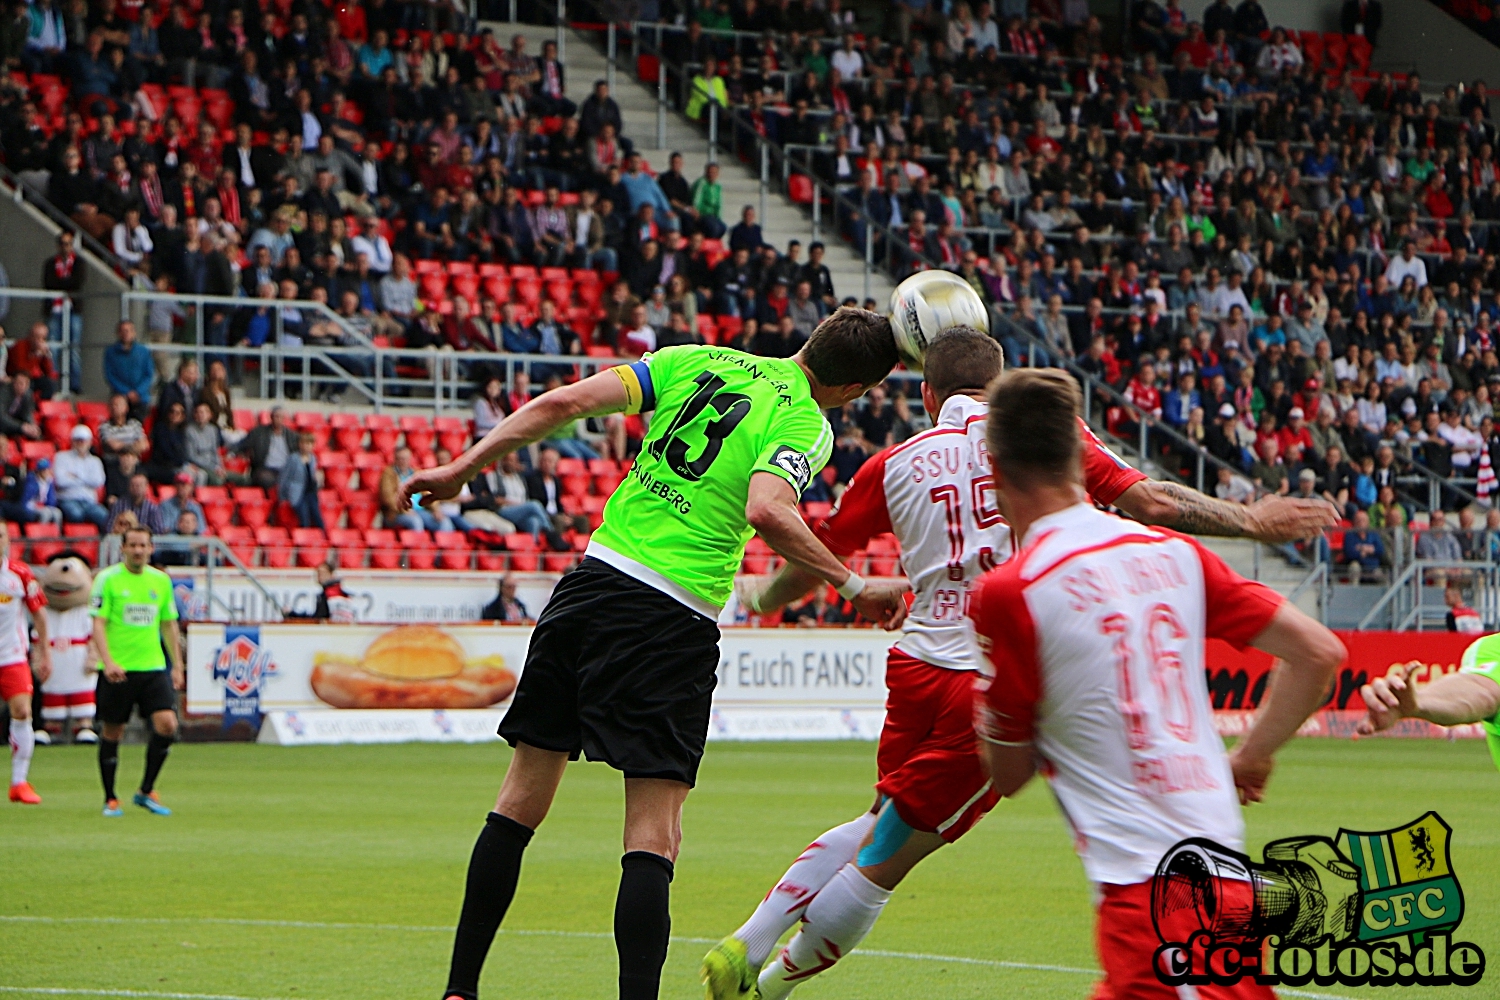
(1295,433)
(33,357)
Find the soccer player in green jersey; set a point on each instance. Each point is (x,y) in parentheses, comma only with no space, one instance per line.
(135,615)
(1470,695)
(622,664)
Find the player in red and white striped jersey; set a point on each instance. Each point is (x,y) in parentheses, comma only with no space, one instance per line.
(1095,634)
(935,492)
(19,594)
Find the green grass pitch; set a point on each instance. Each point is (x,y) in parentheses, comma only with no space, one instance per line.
(332,873)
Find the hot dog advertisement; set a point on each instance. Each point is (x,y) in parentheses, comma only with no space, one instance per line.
(352,682)
(245,671)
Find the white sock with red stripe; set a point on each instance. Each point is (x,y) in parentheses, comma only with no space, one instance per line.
(837,920)
(22,742)
(783,905)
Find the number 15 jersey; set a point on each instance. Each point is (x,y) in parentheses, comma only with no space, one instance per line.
(677,522)
(935,492)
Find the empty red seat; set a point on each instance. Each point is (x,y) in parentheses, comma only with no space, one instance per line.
(452,433)
(458,559)
(383,434)
(360,514)
(419,433)
(84,530)
(349,543)
(523,552)
(492,562)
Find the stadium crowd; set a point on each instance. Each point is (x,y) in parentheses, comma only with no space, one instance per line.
(1276,255)
(1278,258)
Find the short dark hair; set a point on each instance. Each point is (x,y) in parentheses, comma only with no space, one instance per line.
(1033,426)
(851,345)
(961,358)
(137,529)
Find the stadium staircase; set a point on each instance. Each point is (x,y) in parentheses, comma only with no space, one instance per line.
(783,221)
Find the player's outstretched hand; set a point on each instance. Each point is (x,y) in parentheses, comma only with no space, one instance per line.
(1389,699)
(883,604)
(1289,519)
(432,485)
(1250,775)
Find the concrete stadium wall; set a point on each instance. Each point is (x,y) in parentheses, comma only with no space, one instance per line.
(27,239)
(1416,34)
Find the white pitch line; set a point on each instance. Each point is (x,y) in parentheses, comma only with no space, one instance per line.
(911,956)
(62,991)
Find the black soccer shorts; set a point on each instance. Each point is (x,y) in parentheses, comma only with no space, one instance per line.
(621,672)
(148,690)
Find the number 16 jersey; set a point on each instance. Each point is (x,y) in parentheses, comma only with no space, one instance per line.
(935,492)
(677,522)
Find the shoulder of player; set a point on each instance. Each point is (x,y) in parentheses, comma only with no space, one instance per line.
(1094,533)
(911,443)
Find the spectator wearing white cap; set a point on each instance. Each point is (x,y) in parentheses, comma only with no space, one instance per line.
(79,476)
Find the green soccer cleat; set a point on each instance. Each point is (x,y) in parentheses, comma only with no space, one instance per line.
(727,973)
(151,804)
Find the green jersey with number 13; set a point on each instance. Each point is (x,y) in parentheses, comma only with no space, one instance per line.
(677,522)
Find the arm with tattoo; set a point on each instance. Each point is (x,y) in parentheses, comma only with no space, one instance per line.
(1272,520)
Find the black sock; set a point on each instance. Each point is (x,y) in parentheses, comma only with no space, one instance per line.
(109,761)
(642,923)
(156,755)
(494,870)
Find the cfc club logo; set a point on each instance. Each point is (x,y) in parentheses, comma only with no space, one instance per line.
(1378,909)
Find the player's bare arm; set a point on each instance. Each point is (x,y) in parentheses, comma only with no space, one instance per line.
(596,396)
(41,650)
(771,510)
(1011,765)
(1451,700)
(112,670)
(1310,655)
(1273,520)
(788,585)
(170,637)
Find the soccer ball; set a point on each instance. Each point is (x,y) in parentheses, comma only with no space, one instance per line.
(928,303)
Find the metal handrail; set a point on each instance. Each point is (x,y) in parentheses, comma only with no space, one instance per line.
(215,549)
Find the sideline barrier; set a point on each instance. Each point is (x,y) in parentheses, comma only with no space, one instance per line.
(365,683)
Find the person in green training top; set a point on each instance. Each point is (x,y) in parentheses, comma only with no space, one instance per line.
(1470,695)
(708,203)
(622,663)
(135,615)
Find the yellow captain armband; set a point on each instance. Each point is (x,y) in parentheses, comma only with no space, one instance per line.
(640,395)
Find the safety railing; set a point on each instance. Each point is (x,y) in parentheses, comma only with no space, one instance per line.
(211,555)
(61,318)
(19,190)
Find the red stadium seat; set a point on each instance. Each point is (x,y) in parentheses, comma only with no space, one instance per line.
(360,514)
(350,545)
(419,433)
(383,434)
(312,546)
(799,188)
(492,562)
(452,433)
(275,546)
(253,507)
(523,552)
